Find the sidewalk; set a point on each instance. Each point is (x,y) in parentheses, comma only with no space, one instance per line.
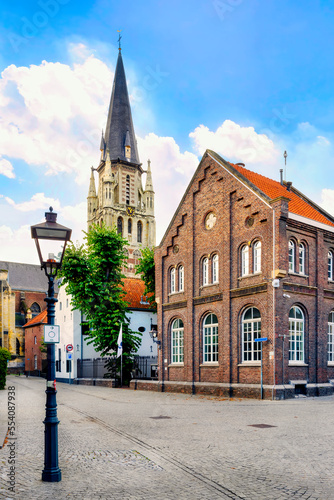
(121,444)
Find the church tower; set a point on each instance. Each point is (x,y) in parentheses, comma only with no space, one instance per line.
(120,200)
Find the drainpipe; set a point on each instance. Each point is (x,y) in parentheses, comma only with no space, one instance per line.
(193,389)
(274,303)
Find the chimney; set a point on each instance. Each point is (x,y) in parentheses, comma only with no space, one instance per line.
(281,175)
(288,185)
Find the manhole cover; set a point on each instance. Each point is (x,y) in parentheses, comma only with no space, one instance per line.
(262,426)
(160,417)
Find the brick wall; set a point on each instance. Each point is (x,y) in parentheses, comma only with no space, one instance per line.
(188,241)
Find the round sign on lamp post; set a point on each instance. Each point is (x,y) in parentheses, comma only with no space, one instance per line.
(69,347)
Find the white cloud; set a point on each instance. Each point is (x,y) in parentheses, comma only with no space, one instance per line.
(6,168)
(327,200)
(171,173)
(17,245)
(51,115)
(37,202)
(235,143)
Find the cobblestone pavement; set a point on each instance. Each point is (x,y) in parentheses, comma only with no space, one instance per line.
(123,444)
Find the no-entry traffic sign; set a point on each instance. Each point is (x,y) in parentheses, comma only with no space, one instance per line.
(69,347)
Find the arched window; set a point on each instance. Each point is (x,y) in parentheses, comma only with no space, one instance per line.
(17,347)
(257,256)
(210,339)
(330,266)
(127,190)
(251,330)
(205,270)
(139,231)
(301,252)
(215,269)
(330,349)
(35,309)
(172,280)
(120,226)
(181,279)
(177,333)
(129,226)
(291,256)
(296,332)
(244,260)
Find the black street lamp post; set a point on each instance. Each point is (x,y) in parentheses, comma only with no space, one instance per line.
(50,230)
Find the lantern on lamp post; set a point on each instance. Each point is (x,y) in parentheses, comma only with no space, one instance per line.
(52,231)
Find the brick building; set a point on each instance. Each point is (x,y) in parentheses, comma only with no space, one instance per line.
(245,257)
(22,294)
(35,359)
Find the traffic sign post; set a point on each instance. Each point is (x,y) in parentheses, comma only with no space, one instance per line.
(262,339)
(69,357)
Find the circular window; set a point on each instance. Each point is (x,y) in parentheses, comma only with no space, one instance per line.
(175,248)
(142,329)
(210,220)
(249,221)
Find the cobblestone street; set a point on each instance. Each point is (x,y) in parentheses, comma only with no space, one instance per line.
(123,444)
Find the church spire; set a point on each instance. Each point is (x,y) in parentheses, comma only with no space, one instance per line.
(92,188)
(149,183)
(119,129)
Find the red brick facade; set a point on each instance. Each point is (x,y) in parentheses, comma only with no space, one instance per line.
(35,359)
(243,214)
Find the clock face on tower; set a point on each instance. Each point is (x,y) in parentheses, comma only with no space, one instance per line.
(130,210)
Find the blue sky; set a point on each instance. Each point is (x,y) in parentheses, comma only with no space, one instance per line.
(246,78)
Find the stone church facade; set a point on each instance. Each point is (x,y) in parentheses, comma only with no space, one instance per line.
(120,200)
(245,258)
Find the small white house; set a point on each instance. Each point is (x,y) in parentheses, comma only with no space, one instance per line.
(73,345)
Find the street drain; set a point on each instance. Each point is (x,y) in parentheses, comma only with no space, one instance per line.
(160,417)
(261,426)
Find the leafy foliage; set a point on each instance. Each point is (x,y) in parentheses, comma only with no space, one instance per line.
(146,268)
(93,276)
(4,355)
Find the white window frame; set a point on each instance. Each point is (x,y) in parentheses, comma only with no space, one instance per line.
(210,339)
(181,278)
(215,269)
(205,268)
(330,338)
(301,258)
(257,256)
(296,337)
(251,330)
(172,280)
(330,265)
(292,256)
(177,342)
(245,260)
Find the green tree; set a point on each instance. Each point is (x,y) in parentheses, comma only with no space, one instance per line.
(146,268)
(4,356)
(93,276)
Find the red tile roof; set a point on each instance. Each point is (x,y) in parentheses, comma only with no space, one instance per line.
(135,296)
(274,189)
(40,318)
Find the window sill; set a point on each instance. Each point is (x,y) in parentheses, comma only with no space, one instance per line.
(330,363)
(331,281)
(214,363)
(297,363)
(176,365)
(292,273)
(250,275)
(208,285)
(171,294)
(250,363)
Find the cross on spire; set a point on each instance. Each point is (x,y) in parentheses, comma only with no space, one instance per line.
(119,39)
